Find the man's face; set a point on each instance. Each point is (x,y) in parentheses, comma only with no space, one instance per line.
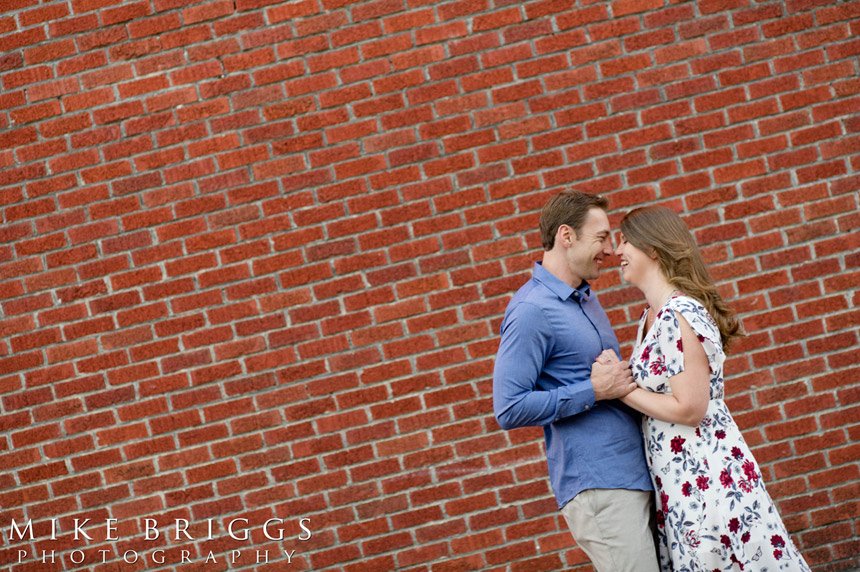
(586,254)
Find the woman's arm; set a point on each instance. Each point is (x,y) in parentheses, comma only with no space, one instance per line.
(688,402)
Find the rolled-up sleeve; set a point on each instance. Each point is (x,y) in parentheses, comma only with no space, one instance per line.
(526,345)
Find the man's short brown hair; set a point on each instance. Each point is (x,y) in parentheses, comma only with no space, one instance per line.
(570,208)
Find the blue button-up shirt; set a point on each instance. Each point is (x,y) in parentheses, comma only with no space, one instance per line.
(551,335)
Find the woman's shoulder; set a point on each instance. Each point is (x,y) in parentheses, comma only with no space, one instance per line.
(695,313)
(680,302)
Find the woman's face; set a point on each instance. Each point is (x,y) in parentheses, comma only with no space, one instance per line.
(636,266)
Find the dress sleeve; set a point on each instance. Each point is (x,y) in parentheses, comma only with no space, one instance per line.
(670,355)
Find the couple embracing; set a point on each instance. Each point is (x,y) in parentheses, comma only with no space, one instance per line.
(645,451)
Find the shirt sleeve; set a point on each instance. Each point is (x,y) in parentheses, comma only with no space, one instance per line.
(525,347)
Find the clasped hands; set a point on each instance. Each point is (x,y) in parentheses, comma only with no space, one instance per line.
(611,378)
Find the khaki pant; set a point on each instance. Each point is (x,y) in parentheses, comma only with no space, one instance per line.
(613,527)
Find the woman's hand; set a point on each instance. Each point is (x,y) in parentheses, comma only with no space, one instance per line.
(611,378)
(607,357)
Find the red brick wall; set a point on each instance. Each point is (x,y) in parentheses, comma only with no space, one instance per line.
(255,255)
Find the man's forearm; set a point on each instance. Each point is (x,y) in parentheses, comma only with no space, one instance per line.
(540,407)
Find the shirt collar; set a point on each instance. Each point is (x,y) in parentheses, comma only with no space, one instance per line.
(559,288)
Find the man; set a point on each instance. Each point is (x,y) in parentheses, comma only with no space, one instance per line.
(545,374)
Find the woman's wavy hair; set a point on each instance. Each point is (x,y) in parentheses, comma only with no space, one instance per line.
(660,232)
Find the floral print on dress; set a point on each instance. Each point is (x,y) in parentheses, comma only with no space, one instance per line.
(713,511)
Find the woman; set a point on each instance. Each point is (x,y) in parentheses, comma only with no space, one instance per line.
(713,512)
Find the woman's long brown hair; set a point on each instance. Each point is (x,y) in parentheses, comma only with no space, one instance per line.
(659,231)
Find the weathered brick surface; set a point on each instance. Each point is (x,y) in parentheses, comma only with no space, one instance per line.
(255,255)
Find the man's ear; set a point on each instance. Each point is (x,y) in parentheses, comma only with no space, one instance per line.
(564,236)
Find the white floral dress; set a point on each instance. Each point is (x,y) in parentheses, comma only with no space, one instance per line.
(713,512)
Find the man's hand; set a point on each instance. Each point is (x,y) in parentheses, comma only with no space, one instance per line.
(611,378)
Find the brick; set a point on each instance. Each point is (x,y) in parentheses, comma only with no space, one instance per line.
(704,26)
